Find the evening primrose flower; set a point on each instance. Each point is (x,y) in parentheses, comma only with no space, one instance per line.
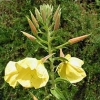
(28,72)
(71,70)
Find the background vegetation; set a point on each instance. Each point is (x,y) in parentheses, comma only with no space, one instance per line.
(78,18)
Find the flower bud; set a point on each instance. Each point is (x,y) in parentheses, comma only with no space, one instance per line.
(77,39)
(34,20)
(38,16)
(33,28)
(56,13)
(43,15)
(31,37)
(56,18)
(61,53)
(46,11)
(57,22)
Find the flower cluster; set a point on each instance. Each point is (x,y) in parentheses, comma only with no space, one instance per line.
(31,72)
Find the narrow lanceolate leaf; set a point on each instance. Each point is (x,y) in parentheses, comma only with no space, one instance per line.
(31,37)
(58,93)
(57,22)
(77,39)
(34,20)
(33,28)
(56,13)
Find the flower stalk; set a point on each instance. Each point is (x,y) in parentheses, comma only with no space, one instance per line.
(51,59)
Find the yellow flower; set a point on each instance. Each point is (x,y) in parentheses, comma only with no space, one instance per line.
(11,74)
(28,72)
(71,70)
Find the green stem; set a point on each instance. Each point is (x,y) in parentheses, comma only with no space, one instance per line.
(41,45)
(43,41)
(51,59)
(60,46)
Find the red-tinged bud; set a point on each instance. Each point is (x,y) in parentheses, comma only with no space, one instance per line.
(34,20)
(57,22)
(38,16)
(56,13)
(33,28)
(46,57)
(77,39)
(31,37)
(43,15)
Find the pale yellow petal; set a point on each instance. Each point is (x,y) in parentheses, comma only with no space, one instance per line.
(41,70)
(68,56)
(76,62)
(62,70)
(74,74)
(71,70)
(27,62)
(36,78)
(42,74)
(25,76)
(70,73)
(29,78)
(10,68)
(11,79)
(11,74)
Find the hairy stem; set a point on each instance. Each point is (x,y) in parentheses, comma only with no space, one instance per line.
(51,59)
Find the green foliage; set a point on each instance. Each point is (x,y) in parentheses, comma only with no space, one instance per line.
(77,19)
(97,2)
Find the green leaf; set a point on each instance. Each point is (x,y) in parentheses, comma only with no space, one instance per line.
(97,2)
(61,80)
(57,93)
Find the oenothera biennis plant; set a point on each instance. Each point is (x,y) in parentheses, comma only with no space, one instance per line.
(32,73)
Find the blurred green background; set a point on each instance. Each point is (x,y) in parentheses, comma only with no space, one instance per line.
(78,17)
